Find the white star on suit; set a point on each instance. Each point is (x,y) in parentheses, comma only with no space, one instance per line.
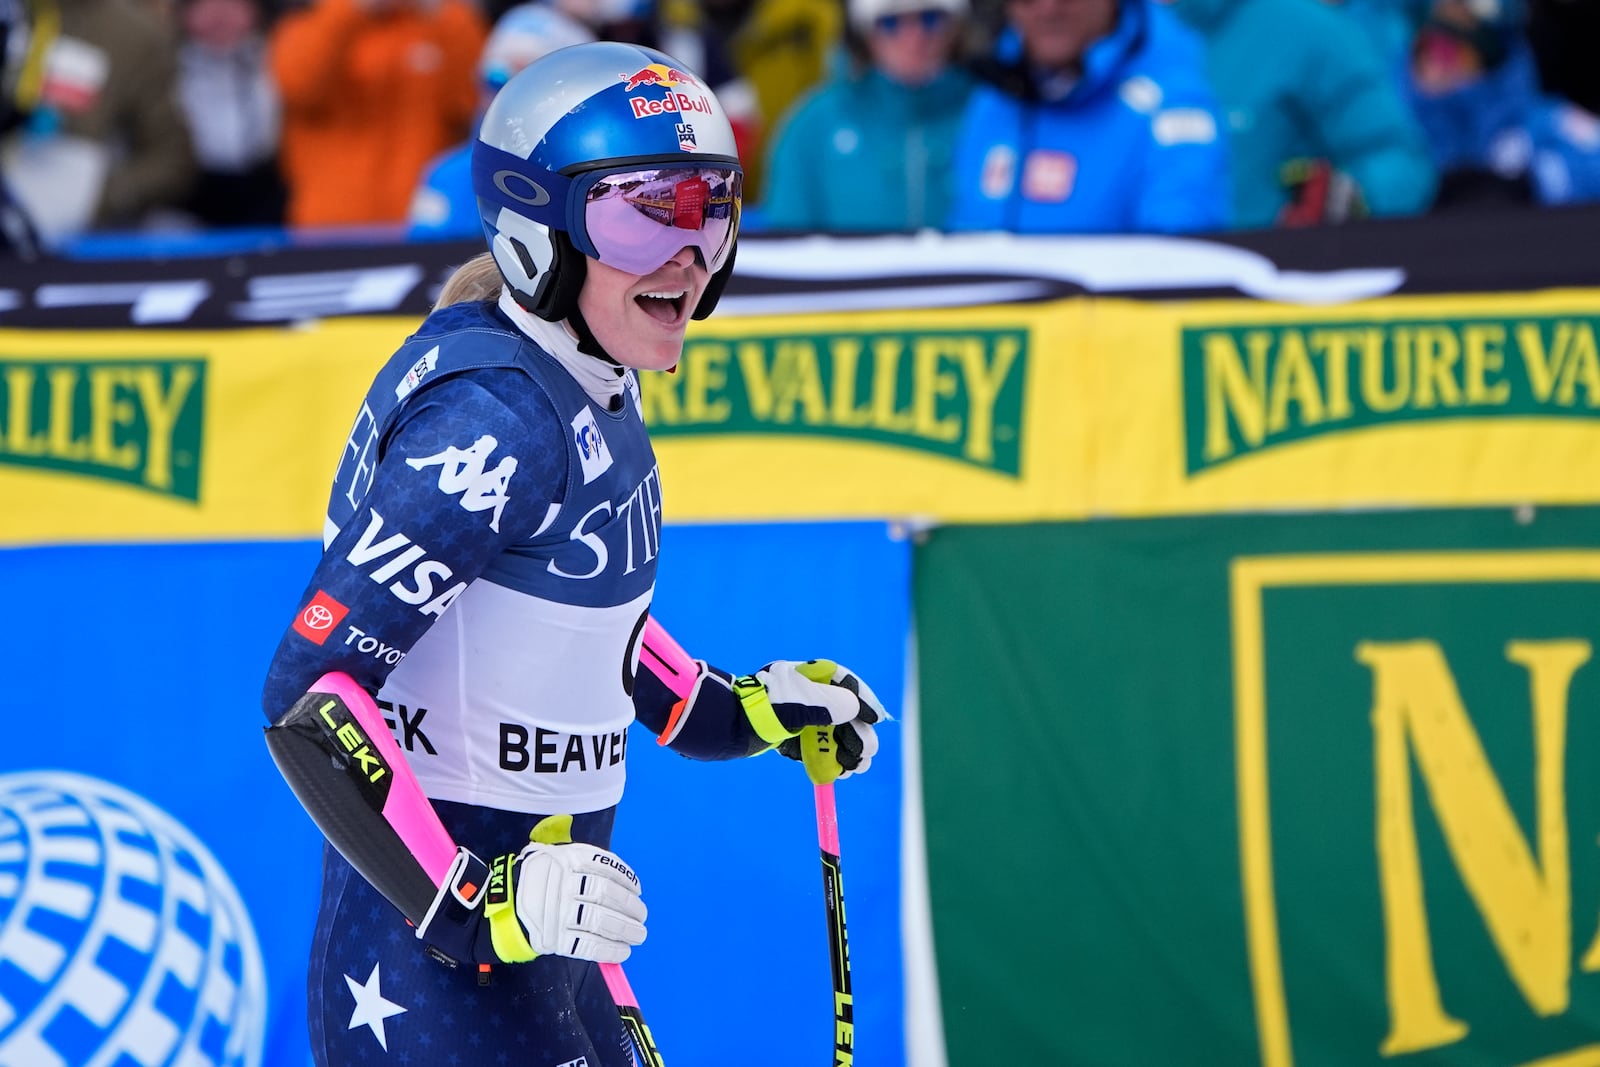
(371,1008)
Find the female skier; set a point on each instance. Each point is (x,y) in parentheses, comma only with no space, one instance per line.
(451,703)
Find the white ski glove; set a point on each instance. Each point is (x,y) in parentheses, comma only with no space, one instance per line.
(817,712)
(564,899)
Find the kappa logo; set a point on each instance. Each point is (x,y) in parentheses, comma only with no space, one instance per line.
(465,471)
(593,454)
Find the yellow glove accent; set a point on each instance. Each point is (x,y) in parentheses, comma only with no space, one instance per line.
(552,830)
(758,703)
(758,709)
(818,754)
(818,670)
(505,932)
(500,909)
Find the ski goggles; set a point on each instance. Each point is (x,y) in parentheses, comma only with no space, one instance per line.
(634,219)
(637,220)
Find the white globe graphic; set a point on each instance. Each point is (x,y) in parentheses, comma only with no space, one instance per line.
(122,941)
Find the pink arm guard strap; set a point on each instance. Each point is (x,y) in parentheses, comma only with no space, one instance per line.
(406,809)
(336,753)
(667,660)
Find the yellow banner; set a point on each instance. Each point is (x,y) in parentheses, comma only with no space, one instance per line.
(177,436)
(1239,406)
(1077,408)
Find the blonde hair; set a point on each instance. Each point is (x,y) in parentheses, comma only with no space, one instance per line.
(476,279)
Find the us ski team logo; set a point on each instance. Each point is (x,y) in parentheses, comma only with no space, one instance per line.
(419,370)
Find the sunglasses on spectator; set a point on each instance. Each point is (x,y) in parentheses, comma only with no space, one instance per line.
(930,20)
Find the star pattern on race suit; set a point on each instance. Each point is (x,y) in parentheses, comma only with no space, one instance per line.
(539,1014)
(371,1007)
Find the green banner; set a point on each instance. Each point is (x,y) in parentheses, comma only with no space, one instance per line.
(1265,789)
(136,422)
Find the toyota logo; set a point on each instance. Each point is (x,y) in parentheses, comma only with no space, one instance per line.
(317,617)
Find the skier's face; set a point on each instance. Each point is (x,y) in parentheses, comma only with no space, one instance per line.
(640,319)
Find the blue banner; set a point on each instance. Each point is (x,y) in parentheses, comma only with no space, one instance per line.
(158,881)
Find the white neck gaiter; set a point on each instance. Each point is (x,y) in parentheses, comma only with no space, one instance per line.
(601,380)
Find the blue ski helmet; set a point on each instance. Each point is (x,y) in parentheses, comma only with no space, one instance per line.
(608,150)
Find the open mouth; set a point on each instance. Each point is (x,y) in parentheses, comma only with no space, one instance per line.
(666,306)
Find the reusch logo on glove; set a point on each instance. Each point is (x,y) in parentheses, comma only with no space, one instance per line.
(617,865)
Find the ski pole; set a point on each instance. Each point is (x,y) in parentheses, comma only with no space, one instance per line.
(838,940)
(632,1017)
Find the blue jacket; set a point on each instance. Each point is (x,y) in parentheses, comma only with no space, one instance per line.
(1134,147)
(862,153)
(1327,93)
(443,205)
(1503,123)
(1465,125)
(1566,152)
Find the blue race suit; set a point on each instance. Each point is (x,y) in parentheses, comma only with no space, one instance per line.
(490,557)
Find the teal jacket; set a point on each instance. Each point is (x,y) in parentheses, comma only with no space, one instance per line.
(1303,80)
(863,153)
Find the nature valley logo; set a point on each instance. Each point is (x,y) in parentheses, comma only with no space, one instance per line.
(956,393)
(1419,723)
(138,422)
(1248,388)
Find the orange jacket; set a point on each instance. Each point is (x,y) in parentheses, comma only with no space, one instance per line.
(371,93)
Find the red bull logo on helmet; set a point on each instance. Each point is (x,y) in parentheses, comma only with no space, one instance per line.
(674,81)
(658,74)
(674,103)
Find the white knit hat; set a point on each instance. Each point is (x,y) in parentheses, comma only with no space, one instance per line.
(522,35)
(863,13)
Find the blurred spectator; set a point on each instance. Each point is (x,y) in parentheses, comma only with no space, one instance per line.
(1495,135)
(871,148)
(20,56)
(105,144)
(1564,152)
(1095,117)
(372,90)
(1321,132)
(678,28)
(232,105)
(444,205)
(1392,25)
(1473,84)
(779,49)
